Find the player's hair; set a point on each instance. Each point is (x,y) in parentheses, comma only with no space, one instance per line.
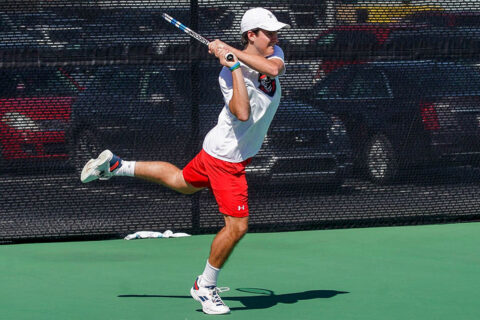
(245,36)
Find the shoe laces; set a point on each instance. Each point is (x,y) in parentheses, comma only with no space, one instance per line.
(214,291)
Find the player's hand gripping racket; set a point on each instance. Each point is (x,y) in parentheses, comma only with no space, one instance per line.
(191,33)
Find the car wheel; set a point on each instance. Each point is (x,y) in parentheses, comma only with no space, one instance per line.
(381,163)
(86,147)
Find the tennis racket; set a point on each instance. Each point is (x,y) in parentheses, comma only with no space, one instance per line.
(229,56)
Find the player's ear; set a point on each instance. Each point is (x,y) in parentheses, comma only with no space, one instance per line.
(252,34)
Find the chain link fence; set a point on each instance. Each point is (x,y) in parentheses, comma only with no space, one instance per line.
(379,121)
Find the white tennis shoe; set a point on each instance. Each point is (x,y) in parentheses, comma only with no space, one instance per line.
(209,298)
(100,168)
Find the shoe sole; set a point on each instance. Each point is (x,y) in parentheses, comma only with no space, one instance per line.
(90,172)
(204,309)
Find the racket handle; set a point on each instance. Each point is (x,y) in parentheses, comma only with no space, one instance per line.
(229,56)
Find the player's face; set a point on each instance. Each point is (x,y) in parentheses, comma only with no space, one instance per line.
(265,41)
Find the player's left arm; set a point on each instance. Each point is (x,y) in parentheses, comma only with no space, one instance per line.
(271,67)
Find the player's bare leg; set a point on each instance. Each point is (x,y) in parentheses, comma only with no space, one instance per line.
(205,289)
(107,165)
(226,239)
(164,173)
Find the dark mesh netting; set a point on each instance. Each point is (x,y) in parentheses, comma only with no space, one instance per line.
(379,121)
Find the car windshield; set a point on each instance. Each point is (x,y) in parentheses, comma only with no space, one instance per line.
(468,21)
(122,81)
(35,83)
(434,80)
(350,41)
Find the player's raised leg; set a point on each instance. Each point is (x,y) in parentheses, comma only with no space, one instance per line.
(107,165)
(166,174)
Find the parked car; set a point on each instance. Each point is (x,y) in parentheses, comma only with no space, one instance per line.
(378,11)
(385,12)
(119,33)
(303,145)
(357,44)
(135,111)
(17,44)
(353,44)
(305,19)
(35,108)
(405,113)
(222,20)
(445,44)
(145,113)
(61,35)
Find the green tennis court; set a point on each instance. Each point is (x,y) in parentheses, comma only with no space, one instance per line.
(420,272)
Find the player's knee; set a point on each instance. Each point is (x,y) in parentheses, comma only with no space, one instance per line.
(239,228)
(242,230)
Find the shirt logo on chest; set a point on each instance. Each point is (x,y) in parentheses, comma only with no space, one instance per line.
(267,85)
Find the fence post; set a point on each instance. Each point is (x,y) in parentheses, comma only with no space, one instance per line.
(195,112)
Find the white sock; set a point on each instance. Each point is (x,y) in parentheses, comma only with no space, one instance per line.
(127,169)
(209,276)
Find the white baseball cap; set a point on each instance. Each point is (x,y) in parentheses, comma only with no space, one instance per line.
(260,18)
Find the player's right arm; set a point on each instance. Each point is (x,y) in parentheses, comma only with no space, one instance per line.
(239,104)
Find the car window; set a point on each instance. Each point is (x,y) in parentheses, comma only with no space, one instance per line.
(334,86)
(218,18)
(348,41)
(305,20)
(405,41)
(158,90)
(156,87)
(362,40)
(434,80)
(4,25)
(326,40)
(226,22)
(435,20)
(308,15)
(368,84)
(118,81)
(135,21)
(282,16)
(7,85)
(468,21)
(35,83)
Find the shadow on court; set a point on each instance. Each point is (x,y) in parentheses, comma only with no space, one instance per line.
(262,298)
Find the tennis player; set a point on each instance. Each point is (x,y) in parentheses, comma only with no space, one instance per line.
(251,92)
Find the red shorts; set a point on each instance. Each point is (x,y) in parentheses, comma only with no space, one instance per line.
(226,180)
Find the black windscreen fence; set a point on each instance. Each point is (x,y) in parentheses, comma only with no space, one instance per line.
(379,121)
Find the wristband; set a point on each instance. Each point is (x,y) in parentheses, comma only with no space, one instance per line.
(235,66)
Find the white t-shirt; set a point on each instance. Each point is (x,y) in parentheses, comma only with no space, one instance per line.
(233,140)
